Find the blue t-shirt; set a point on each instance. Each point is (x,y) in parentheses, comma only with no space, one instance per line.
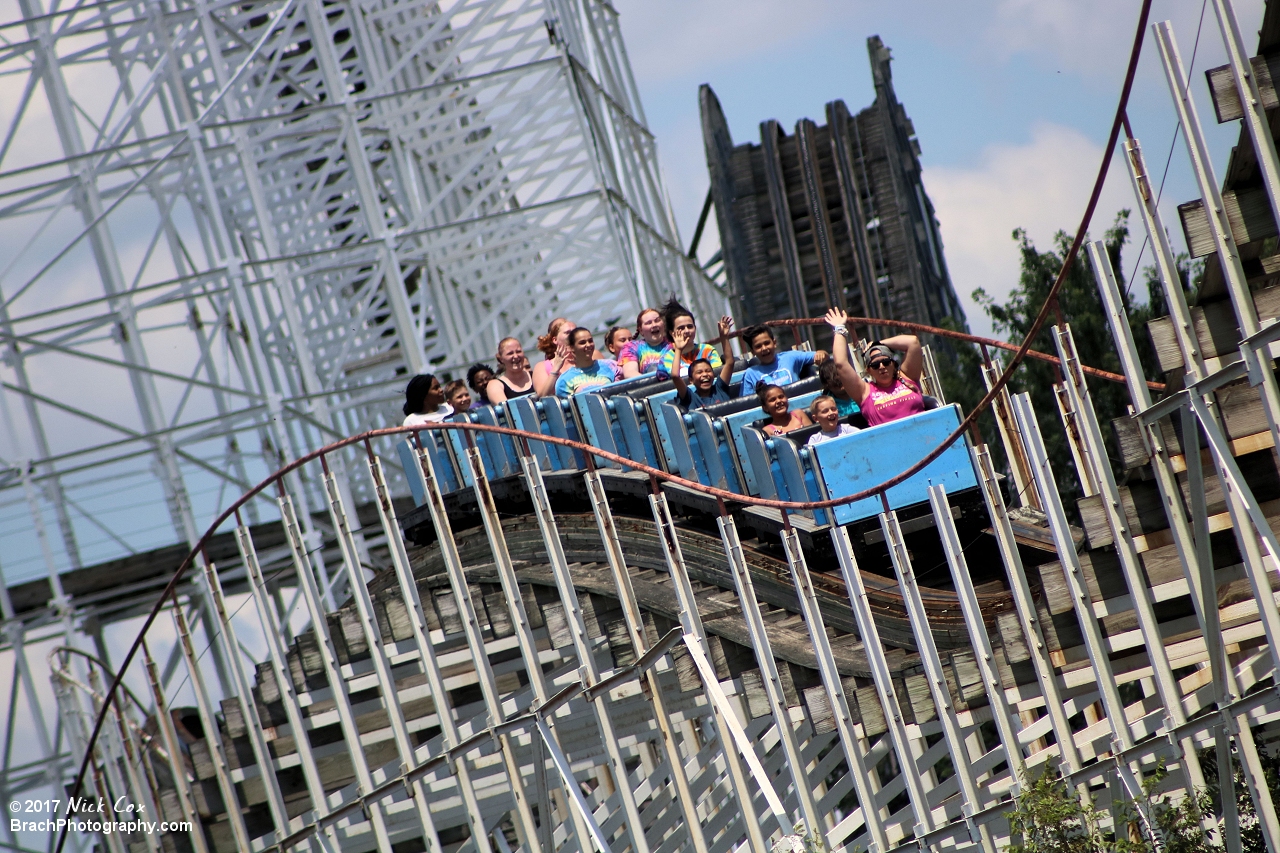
(784,371)
(692,400)
(576,379)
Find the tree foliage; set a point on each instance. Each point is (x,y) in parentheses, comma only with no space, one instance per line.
(1049,816)
(1080,305)
(1251,838)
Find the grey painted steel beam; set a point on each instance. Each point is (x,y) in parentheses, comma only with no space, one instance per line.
(526,827)
(726,723)
(636,632)
(1028,616)
(515,605)
(332,669)
(938,690)
(883,680)
(832,683)
(796,765)
(583,648)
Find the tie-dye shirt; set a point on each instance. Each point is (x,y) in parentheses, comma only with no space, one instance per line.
(668,365)
(644,354)
(577,379)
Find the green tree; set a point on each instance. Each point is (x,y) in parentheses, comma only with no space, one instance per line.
(1080,306)
(1050,817)
(1251,838)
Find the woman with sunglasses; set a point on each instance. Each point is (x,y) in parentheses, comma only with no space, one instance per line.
(893,391)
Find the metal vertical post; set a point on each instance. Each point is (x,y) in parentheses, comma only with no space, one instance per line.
(422,639)
(1220,226)
(378,654)
(929,656)
(1122,536)
(1255,114)
(1073,573)
(691,624)
(173,750)
(1028,617)
(515,602)
(212,734)
(1167,270)
(1193,550)
(1001,713)
(1095,643)
(73,719)
(332,670)
(796,764)
(582,645)
(526,828)
(278,656)
(1014,449)
(835,691)
(883,680)
(640,642)
(225,635)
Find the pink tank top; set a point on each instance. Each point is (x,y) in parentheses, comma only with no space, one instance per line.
(902,400)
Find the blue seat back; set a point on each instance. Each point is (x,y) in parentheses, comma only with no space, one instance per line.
(848,465)
(499,451)
(560,422)
(596,419)
(733,426)
(522,413)
(412,470)
(435,443)
(655,406)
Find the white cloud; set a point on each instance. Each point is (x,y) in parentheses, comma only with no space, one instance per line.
(668,39)
(1042,187)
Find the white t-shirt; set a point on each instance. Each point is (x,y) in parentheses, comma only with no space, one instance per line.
(819,437)
(435,417)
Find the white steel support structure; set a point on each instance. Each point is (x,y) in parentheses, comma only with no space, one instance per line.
(231,231)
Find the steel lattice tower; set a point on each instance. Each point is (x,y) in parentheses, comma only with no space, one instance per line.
(244,235)
(232,229)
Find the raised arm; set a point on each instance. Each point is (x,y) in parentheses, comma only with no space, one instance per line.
(546,372)
(913,360)
(726,352)
(838,320)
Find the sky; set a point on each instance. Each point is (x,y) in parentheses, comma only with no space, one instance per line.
(1012,101)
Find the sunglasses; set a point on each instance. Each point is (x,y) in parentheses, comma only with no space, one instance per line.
(884,362)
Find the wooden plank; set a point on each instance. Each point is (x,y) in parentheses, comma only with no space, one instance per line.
(1216,329)
(1248,213)
(1225,95)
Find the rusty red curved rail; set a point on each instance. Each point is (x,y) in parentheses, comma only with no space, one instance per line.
(960,336)
(1019,354)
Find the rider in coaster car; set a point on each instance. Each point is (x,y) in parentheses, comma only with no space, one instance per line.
(826,414)
(708,387)
(644,353)
(772,367)
(458,396)
(424,401)
(774,400)
(893,391)
(617,338)
(685,349)
(515,380)
(587,371)
(478,376)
